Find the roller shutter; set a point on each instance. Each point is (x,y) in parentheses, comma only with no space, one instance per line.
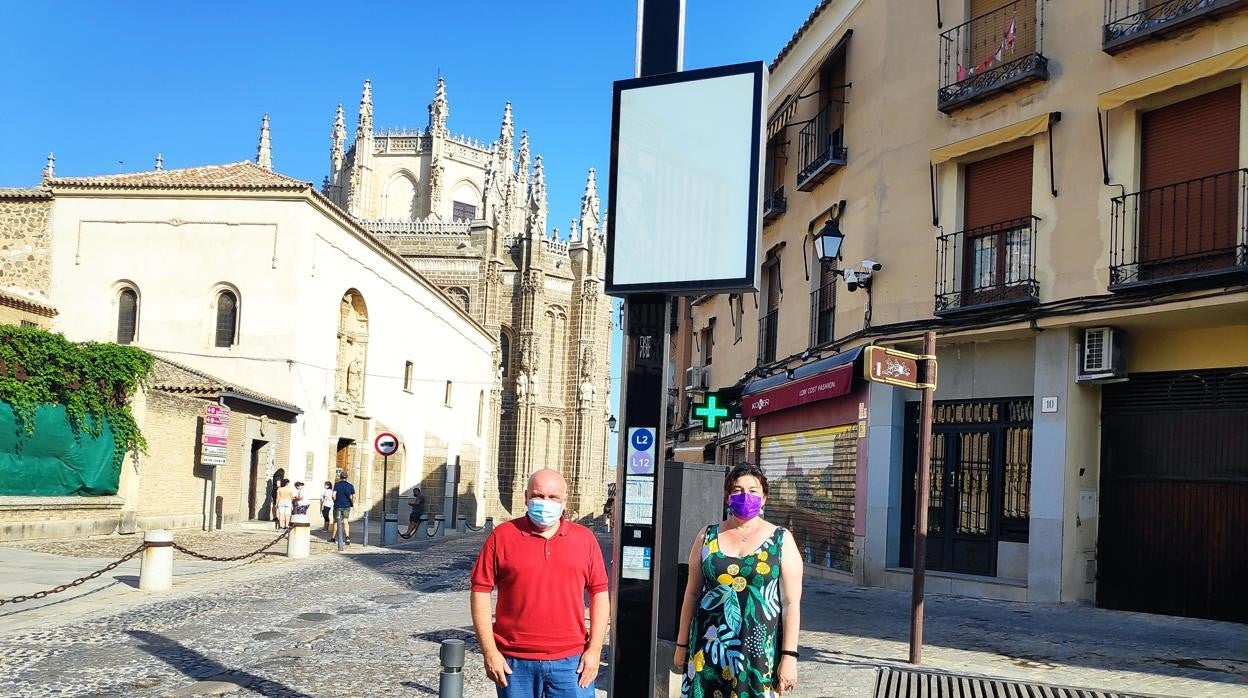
(812,476)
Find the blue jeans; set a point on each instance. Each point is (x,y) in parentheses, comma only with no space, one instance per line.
(541,678)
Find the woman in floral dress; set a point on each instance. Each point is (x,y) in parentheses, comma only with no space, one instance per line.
(741,611)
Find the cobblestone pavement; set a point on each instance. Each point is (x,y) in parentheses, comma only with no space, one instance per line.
(369,623)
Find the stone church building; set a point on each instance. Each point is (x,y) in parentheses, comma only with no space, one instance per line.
(471,217)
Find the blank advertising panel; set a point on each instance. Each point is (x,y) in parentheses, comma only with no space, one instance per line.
(685,189)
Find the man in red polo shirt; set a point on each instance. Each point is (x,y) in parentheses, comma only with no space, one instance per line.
(542,566)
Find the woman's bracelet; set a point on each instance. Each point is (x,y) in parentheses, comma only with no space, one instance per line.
(684,646)
(790,653)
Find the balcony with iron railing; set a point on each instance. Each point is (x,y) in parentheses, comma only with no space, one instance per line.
(768,333)
(993,53)
(1185,232)
(987,268)
(821,146)
(774,205)
(822,313)
(1131,22)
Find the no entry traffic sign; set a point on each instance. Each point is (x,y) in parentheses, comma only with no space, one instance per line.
(386,443)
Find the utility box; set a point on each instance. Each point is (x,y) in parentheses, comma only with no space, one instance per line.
(693,498)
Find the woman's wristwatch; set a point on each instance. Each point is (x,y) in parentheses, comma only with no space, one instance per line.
(790,653)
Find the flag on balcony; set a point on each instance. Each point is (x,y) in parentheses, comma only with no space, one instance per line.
(1007,42)
(1010,35)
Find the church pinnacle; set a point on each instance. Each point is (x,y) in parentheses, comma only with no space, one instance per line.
(49,168)
(337,141)
(264,151)
(590,207)
(439,110)
(364,126)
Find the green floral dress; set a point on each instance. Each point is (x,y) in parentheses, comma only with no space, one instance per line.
(732,639)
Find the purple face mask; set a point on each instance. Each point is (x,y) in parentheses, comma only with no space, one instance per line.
(745,505)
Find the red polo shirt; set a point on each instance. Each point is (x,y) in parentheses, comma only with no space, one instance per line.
(541,587)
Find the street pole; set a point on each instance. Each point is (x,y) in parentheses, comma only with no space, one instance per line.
(920,501)
(660,39)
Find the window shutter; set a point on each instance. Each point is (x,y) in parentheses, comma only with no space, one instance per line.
(998,189)
(1194,138)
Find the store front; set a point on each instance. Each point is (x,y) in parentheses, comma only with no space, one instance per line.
(807,433)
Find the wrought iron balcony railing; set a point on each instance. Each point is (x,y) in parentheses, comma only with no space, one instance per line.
(987,267)
(1130,22)
(1001,50)
(821,146)
(1185,231)
(775,204)
(822,313)
(768,332)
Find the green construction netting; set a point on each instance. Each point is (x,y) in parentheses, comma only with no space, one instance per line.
(54,461)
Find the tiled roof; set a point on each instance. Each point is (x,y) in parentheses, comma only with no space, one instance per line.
(236,175)
(172,377)
(25,193)
(27,303)
(797,35)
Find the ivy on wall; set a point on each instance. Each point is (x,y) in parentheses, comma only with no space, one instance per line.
(93,381)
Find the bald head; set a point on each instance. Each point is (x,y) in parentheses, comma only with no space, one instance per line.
(546,484)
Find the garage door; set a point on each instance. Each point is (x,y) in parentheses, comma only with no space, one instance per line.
(1174,494)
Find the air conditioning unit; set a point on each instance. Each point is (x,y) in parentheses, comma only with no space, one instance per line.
(1102,356)
(696,378)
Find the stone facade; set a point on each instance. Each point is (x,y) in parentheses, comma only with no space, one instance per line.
(471,218)
(25,240)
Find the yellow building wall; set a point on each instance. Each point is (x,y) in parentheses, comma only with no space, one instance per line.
(1174,350)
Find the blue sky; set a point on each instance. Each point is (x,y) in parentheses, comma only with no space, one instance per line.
(108,85)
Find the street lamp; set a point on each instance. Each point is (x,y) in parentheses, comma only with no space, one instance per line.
(828,241)
(611,423)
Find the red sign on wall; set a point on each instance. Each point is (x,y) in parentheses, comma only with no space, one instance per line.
(821,386)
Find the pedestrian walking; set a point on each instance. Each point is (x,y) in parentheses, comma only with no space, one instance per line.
(417,513)
(285,503)
(270,494)
(344,499)
(327,503)
(542,565)
(741,610)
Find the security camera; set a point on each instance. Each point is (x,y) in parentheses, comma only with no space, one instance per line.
(872,265)
(852,279)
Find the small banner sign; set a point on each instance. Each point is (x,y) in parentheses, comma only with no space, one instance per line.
(215,437)
(893,367)
(821,386)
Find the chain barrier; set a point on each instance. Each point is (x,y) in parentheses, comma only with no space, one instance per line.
(56,590)
(234,558)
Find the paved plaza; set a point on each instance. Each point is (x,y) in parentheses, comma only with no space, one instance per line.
(369,622)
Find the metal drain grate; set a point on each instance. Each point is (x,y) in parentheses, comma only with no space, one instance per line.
(912,683)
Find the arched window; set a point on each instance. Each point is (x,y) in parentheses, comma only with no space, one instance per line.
(227,319)
(127,315)
(504,352)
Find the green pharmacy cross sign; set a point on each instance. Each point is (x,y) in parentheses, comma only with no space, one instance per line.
(712,412)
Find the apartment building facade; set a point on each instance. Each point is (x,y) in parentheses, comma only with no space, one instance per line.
(1059,190)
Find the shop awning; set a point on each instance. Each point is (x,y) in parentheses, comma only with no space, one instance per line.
(1230,60)
(818,380)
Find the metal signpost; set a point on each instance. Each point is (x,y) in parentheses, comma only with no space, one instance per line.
(212,448)
(387,445)
(684,219)
(893,367)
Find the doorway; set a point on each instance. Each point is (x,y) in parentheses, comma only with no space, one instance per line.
(980,482)
(255,493)
(342,457)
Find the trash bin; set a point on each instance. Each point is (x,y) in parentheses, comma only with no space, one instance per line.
(390,530)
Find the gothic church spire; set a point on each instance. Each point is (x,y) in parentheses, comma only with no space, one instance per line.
(439,110)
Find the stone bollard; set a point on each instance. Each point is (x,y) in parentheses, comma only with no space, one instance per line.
(489,524)
(299,542)
(439,520)
(461,523)
(156,571)
(390,529)
(451,682)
